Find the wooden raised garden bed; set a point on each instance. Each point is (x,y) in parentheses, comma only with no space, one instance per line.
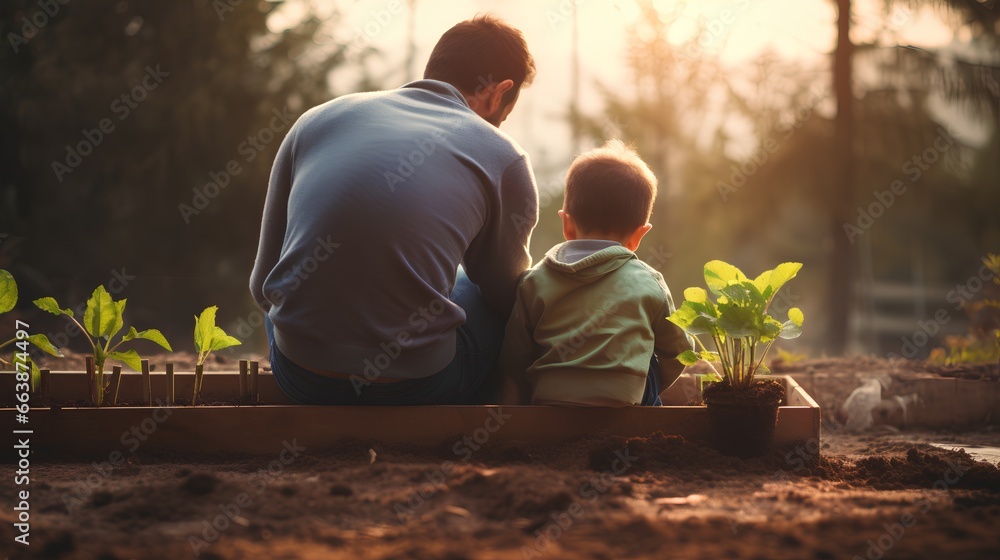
(84,431)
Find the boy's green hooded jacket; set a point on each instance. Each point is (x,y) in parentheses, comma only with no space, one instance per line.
(585,325)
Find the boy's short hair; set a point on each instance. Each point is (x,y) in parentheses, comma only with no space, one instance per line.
(610,190)
(480,51)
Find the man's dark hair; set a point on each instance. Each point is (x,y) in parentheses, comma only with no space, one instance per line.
(610,190)
(483,50)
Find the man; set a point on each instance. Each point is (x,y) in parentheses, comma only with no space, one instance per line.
(374,201)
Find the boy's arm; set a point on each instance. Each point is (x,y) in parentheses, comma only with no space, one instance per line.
(670,341)
(498,256)
(516,355)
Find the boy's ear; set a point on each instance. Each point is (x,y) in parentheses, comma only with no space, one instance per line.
(633,241)
(569,228)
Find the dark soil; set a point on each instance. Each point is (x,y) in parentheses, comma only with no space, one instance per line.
(766,391)
(602,497)
(886,495)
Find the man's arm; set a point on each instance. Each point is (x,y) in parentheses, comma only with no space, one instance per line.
(516,355)
(274,221)
(499,254)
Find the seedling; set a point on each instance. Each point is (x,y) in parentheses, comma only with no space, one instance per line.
(8,299)
(207,337)
(102,320)
(737,322)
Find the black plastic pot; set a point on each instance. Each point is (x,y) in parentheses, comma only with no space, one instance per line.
(742,425)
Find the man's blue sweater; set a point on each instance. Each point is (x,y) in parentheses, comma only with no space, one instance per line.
(373,202)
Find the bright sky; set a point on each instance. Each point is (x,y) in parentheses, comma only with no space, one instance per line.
(738,30)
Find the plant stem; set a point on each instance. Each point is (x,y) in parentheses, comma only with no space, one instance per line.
(100,383)
(199,370)
(83,330)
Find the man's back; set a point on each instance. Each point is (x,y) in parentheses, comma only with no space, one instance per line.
(387,193)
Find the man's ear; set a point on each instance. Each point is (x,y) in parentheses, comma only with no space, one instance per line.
(569,228)
(633,241)
(495,100)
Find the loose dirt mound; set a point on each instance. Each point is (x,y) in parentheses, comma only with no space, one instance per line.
(605,496)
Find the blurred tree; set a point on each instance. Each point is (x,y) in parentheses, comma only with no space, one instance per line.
(840,286)
(669,92)
(966,82)
(138,136)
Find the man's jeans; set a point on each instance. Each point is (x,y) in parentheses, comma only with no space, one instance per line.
(460,382)
(476,352)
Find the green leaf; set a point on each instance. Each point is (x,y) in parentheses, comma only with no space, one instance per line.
(719,274)
(102,314)
(696,295)
(43,344)
(49,304)
(795,315)
(130,335)
(154,335)
(781,274)
(770,329)
(119,318)
(222,340)
(36,377)
(99,355)
(712,376)
(710,356)
(8,291)
(762,283)
(204,328)
(745,294)
(683,316)
(688,358)
(130,358)
(790,330)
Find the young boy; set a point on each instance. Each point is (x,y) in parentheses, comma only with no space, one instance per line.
(590,316)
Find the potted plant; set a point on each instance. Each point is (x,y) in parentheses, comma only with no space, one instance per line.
(743,410)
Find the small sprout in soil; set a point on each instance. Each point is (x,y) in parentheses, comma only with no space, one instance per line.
(737,322)
(102,320)
(8,299)
(207,337)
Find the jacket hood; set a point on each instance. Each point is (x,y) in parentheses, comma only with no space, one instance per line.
(587,259)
